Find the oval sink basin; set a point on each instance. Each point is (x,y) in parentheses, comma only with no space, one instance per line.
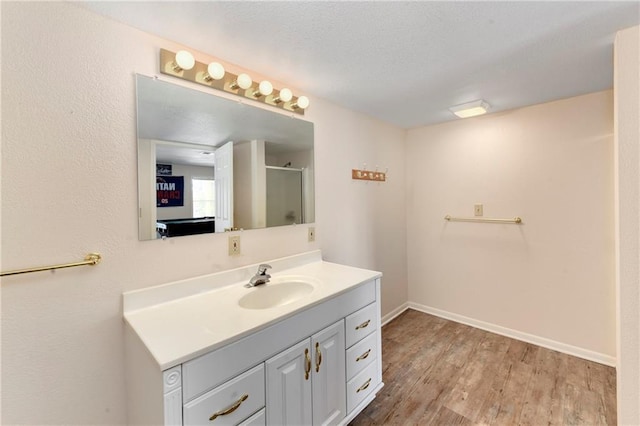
(271,295)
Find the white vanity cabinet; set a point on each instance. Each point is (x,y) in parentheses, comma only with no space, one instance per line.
(306,383)
(316,363)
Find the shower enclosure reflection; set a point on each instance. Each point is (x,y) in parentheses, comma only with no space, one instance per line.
(284,196)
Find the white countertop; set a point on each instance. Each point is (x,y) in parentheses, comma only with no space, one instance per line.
(175,331)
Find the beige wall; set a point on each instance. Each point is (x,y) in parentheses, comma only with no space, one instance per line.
(364,222)
(69,187)
(627,145)
(552,277)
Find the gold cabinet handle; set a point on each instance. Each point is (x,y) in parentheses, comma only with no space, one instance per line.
(363,325)
(363,356)
(231,409)
(363,387)
(307,368)
(318,357)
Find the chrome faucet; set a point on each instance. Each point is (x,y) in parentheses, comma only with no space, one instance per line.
(261,277)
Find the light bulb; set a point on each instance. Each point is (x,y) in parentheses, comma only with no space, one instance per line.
(285,96)
(215,70)
(302,103)
(184,60)
(265,88)
(244,81)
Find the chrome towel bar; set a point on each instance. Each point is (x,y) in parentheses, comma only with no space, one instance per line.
(91,259)
(516,220)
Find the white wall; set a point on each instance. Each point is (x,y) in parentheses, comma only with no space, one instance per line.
(298,159)
(69,187)
(242,178)
(553,276)
(627,146)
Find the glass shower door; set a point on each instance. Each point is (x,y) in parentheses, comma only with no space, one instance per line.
(284,196)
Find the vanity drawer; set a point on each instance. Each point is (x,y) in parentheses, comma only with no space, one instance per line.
(245,393)
(361,354)
(258,419)
(361,386)
(361,323)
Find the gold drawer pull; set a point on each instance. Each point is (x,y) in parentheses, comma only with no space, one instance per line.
(363,387)
(231,409)
(307,368)
(318,357)
(363,356)
(363,325)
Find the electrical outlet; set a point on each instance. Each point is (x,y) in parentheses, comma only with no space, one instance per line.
(234,245)
(311,234)
(477,210)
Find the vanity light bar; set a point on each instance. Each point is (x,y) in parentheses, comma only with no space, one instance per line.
(214,75)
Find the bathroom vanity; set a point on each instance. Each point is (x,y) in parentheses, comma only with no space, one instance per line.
(303,349)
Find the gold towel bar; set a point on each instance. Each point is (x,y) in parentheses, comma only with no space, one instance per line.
(516,219)
(90,259)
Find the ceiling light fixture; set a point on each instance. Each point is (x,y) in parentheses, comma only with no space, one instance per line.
(470,109)
(213,75)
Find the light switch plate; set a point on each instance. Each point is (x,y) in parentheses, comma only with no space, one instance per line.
(477,210)
(312,234)
(234,245)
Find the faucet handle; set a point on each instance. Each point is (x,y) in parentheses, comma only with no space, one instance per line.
(262,269)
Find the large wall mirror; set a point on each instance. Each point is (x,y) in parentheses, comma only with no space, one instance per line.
(210,164)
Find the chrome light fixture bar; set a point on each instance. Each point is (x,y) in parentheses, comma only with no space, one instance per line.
(182,65)
(470,109)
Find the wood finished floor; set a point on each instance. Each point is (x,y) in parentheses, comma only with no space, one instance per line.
(439,372)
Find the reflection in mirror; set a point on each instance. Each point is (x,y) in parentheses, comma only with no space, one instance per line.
(209,164)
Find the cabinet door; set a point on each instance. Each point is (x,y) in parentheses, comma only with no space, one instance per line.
(289,386)
(329,377)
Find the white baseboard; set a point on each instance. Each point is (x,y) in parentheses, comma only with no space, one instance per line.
(393,314)
(518,335)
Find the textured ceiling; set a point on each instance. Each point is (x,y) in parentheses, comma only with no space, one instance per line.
(403,62)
